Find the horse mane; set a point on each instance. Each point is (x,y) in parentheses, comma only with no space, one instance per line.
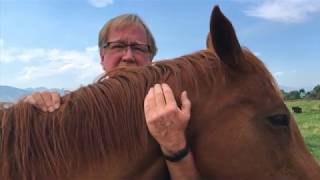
(99,119)
(92,122)
(255,65)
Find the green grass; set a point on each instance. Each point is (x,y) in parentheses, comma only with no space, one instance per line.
(309,123)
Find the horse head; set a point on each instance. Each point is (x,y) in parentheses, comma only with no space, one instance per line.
(243,129)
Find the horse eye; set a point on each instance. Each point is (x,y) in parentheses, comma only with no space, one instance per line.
(279,120)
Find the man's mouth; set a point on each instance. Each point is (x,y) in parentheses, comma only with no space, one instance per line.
(127,64)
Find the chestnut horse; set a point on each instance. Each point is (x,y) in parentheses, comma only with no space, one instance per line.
(240,127)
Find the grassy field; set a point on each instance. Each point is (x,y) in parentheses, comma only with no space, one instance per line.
(309,123)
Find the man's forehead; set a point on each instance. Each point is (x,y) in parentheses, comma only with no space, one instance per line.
(128,33)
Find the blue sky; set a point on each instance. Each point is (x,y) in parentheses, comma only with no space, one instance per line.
(52,43)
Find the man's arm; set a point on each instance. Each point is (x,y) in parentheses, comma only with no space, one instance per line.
(167,123)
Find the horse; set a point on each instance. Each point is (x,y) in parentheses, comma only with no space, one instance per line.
(240,127)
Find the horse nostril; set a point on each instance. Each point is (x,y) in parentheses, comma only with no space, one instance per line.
(279,120)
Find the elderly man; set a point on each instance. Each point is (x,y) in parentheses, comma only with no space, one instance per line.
(126,41)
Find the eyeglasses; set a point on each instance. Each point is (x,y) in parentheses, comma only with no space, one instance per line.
(118,47)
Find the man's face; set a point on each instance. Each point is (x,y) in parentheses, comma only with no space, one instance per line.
(117,54)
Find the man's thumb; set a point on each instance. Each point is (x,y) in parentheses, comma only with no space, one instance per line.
(185,102)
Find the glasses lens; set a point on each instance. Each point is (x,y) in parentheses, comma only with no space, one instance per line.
(117,45)
(120,46)
(140,47)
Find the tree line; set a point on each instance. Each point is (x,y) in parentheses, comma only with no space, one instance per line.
(302,94)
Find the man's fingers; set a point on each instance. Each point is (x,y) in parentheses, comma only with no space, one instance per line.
(160,101)
(51,99)
(46,101)
(40,103)
(149,101)
(29,99)
(46,96)
(56,100)
(185,102)
(168,95)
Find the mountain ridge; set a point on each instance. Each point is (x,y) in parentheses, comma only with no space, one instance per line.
(13,94)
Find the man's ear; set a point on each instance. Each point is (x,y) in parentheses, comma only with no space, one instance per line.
(101,55)
(151,58)
(101,52)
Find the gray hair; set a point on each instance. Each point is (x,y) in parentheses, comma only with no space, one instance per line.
(124,21)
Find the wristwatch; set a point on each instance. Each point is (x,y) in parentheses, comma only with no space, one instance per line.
(178,155)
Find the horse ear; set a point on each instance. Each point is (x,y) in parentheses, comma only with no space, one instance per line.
(224,39)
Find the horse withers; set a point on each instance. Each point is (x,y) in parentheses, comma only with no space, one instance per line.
(240,127)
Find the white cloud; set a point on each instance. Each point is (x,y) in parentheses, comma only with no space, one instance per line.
(277,74)
(284,73)
(44,63)
(92,49)
(288,11)
(100,3)
(29,54)
(1,42)
(258,54)
(85,64)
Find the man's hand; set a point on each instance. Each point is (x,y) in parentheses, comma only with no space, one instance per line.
(46,101)
(165,120)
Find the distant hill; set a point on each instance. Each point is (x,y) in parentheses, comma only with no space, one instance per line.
(12,94)
(288,88)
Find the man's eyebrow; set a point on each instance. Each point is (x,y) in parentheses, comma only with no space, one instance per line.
(131,42)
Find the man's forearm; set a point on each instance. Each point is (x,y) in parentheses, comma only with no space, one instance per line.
(184,169)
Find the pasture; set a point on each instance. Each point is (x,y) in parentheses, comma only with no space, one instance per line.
(309,123)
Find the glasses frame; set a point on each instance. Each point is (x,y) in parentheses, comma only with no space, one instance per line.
(137,48)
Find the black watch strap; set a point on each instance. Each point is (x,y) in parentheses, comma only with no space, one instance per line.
(178,155)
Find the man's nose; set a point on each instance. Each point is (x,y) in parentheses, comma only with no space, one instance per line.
(128,55)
